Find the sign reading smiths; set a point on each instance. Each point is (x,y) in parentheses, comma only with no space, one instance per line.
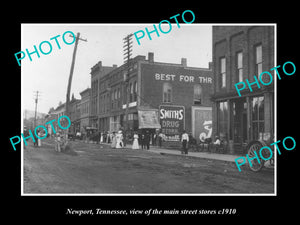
(172,121)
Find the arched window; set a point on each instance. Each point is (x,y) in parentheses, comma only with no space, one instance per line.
(197,94)
(167,92)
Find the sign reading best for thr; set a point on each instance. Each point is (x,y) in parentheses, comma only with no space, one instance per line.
(182,78)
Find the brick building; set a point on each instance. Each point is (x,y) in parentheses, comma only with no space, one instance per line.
(239,53)
(85,109)
(60,110)
(74,115)
(152,86)
(98,73)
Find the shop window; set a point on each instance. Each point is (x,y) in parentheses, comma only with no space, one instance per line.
(258,122)
(223,118)
(197,94)
(167,92)
(132,116)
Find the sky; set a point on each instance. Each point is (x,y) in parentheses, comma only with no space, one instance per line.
(49,74)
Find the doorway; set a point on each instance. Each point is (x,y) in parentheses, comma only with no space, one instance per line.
(239,117)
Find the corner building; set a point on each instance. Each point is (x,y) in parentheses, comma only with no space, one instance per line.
(154,86)
(240,53)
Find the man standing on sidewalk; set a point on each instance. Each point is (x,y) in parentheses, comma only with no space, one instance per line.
(184,140)
(147,139)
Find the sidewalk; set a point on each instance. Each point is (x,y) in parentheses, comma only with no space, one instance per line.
(204,155)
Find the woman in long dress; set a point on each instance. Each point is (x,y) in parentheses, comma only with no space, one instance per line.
(135,144)
(119,140)
(114,140)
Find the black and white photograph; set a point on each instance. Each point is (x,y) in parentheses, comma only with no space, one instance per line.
(148,113)
(148,116)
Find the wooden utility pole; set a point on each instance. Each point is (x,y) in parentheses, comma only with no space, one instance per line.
(127,52)
(71,74)
(35,111)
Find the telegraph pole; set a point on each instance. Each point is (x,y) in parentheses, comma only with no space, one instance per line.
(35,111)
(71,73)
(127,52)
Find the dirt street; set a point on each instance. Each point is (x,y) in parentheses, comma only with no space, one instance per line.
(97,169)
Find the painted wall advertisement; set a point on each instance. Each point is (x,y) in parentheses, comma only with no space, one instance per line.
(172,121)
(201,122)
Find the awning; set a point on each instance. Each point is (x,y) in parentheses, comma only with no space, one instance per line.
(148,118)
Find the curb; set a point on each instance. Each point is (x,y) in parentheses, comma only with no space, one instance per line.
(193,156)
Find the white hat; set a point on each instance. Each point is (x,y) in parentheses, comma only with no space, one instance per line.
(207,122)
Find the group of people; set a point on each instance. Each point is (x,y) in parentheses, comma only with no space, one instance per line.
(38,142)
(142,140)
(187,140)
(117,140)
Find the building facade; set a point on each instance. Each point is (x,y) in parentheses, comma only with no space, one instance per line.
(153,87)
(74,115)
(98,72)
(239,53)
(60,110)
(85,109)
(54,114)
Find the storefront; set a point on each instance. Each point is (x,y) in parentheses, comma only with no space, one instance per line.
(239,53)
(175,90)
(242,119)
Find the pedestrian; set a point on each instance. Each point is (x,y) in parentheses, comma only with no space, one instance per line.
(155,138)
(57,142)
(160,139)
(143,141)
(192,143)
(40,134)
(35,144)
(101,137)
(114,140)
(108,137)
(135,144)
(184,140)
(147,140)
(119,140)
(104,137)
(78,135)
(217,144)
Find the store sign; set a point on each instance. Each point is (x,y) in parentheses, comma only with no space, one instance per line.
(183,78)
(201,122)
(148,119)
(172,121)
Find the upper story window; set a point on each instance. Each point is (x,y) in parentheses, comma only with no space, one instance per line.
(167,92)
(131,92)
(135,91)
(239,66)
(258,59)
(223,72)
(197,94)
